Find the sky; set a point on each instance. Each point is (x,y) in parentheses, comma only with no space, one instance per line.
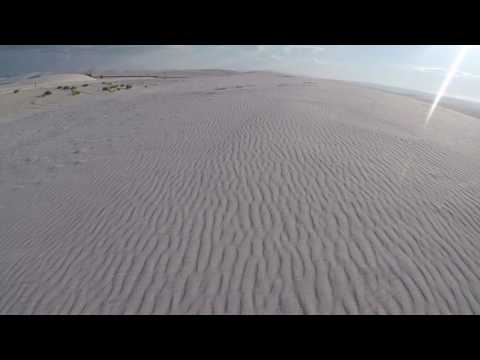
(417,67)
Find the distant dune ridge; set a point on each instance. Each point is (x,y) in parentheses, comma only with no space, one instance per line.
(237,193)
(45,81)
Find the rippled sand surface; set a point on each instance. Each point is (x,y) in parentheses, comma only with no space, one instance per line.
(248,193)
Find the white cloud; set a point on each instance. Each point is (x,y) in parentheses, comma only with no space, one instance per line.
(179,47)
(319,61)
(290,49)
(312,48)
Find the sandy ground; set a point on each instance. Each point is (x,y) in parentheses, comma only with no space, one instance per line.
(30,97)
(250,193)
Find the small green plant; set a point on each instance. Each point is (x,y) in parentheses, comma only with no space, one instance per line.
(75,92)
(73,87)
(16,91)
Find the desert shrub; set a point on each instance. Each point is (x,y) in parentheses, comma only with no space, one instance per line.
(46,93)
(59,88)
(128,86)
(73,88)
(105,88)
(75,92)
(16,91)
(85,85)
(66,88)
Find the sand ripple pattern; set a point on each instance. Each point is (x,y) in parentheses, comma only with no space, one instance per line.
(222,198)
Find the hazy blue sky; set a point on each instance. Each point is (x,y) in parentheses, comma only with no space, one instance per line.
(420,67)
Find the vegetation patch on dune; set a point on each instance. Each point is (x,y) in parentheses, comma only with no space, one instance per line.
(110,87)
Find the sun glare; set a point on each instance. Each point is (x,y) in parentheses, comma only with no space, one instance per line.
(448,78)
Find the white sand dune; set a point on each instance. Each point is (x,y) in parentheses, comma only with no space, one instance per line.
(250,193)
(45,81)
(25,95)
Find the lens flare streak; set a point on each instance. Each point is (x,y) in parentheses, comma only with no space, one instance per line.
(443,88)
